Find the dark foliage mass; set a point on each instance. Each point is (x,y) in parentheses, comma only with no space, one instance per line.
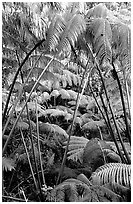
(66,102)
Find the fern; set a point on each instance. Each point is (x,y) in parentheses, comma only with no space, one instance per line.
(73,94)
(8,164)
(74,190)
(74,27)
(52,128)
(55,93)
(121,34)
(76,148)
(68,191)
(112,172)
(55,29)
(92,125)
(64,94)
(99,11)
(102,38)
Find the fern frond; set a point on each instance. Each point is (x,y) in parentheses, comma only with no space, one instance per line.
(56,28)
(57,113)
(74,190)
(121,36)
(8,164)
(102,38)
(112,172)
(99,11)
(76,148)
(55,93)
(70,190)
(74,27)
(73,94)
(92,125)
(52,128)
(64,94)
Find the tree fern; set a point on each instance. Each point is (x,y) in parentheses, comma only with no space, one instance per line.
(112,172)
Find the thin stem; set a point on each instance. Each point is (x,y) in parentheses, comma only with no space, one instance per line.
(11,132)
(123,103)
(119,136)
(20,93)
(111,131)
(28,157)
(71,128)
(38,142)
(15,77)
(31,136)
(15,199)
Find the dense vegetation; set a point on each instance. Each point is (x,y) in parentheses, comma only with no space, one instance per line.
(66,102)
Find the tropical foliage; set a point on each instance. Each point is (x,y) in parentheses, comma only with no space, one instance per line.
(65,100)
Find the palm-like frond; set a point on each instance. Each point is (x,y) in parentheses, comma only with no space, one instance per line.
(64,31)
(52,128)
(102,38)
(121,36)
(76,148)
(70,190)
(93,125)
(99,11)
(112,172)
(8,164)
(74,190)
(74,27)
(56,28)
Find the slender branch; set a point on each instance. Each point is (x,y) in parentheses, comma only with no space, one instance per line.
(111,131)
(35,183)
(15,199)
(123,103)
(18,98)
(119,136)
(11,132)
(38,142)
(31,136)
(15,77)
(71,128)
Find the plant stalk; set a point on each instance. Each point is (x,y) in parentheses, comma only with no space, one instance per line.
(11,132)
(15,77)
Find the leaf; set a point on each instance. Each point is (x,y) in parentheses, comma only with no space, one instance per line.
(74,190)
(112,172)
(52,112)
(73,94)
(76,148)
(45,96)
(64,94)
(102,38)
(122,44)
(8,164)
(55,93)
(92,125)
(52,128)
(57,113)
(99,11)
(94,155)
(74,27)
(54,32)
(23,125)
